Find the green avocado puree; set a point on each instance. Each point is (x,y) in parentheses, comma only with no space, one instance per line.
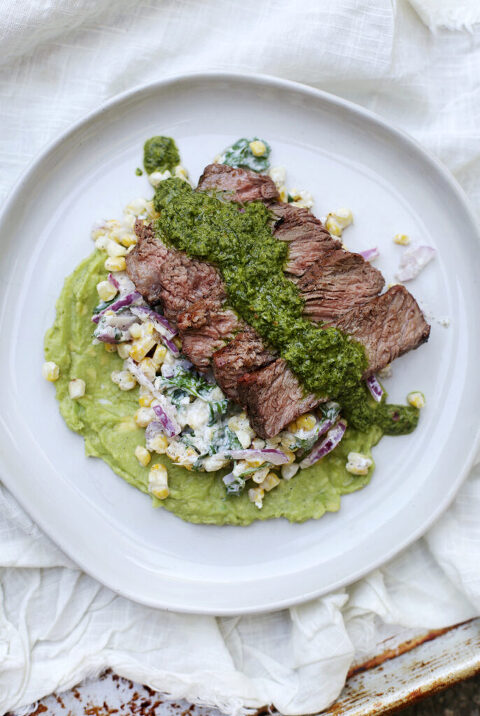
(104,416)
(240,242)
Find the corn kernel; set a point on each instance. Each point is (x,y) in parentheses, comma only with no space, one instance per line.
(149,368)
(333,227)
(50,371)
(123,378)
(402,239)
(287,442)
(76,388)
(142,455)
(416,399)
(148,329)
(136,330)
(110,347)
(178,342)
(283,194)
(255,495)
(258,148)
(260,475)
(123,350)
(114,250)
(106,290)
(181,172)
(289,471)
(128,240)
(140,348)
(292,427)
(290,455)
(338,220)
(159,355)
(145,398)
(358,464)
(115,263)
(159,444)
(158,481)
(255,462)
(306,422)
(270,482)
(144,416)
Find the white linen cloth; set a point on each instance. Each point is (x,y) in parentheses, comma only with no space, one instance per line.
(418,65)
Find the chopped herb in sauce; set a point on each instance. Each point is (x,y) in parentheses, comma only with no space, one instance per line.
(160,154)
(241,154)
(138,172)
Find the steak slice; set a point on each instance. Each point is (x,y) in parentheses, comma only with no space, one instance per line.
(204,328)
(307,238)
(387,326)
(170,277)
(273,398)
(245,353)
(241,184)
(338,282)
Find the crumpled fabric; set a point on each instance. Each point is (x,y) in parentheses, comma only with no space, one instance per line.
(418,66)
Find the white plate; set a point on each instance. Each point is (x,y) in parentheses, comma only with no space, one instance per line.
(346,157)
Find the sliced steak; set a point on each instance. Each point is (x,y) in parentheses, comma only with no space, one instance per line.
(307,238)
(273,398)
(204,328)
(170,277)
(337,283)
(245,353)
(241,184)
(387,326)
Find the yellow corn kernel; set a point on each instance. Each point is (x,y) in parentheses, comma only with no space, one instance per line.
(258,148)
(50,371)
(255,495)
(358,463)
(148,329)
(143,417)
(76,388)
(306,422)
(136,330)
(159,444)
(158,482)
(270,482)
(292,427)
(149,368)
(142,455)
(110,347)
(177,342)
(416,399)
(145,398)
(290,455)
(287,442)
(181,172)
(333,227)
(128,240)
(402,239)
(255,462)
(106,290)
(283,194)
(123,350)
(114,250)
(140,348)
(159,355)
(115,263)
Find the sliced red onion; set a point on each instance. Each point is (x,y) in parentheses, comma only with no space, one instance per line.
(167,409)
(117,305)
(374,387)
(114,281)
(276,457)
(413,261)
(168,425)
(171,346)
(370,254)
(326,445)
(160,322)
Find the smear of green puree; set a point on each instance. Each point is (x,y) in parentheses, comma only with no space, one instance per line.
(240,242)
(104,416)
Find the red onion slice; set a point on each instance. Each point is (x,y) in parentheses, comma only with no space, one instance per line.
(117,305)
(413,261)
(142,379)
(374,387)
(114,281)
(326,445)
(370,254)
(168,425)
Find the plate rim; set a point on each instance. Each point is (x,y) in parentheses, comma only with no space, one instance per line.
(351,107)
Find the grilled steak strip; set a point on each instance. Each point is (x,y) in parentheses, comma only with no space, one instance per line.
(239,185)
(387,326)
(245,353)
(204,328)
(273,397)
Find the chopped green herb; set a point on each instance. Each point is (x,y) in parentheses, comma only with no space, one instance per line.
(138,172)
(240,155)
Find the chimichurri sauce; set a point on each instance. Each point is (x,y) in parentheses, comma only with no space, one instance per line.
(239,241)
(160,154)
